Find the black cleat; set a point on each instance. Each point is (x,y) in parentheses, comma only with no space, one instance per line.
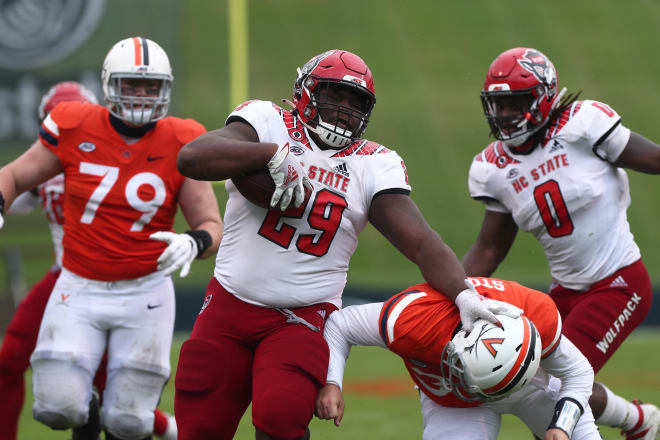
(92,429)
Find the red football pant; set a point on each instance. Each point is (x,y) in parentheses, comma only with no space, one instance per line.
(598,320)
(239,352)
(17,346)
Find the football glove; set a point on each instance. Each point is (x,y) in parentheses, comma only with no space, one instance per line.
(473,306)
(180,252)
(290,179)
(2,221)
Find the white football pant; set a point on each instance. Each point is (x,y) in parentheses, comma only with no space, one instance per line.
(134,321)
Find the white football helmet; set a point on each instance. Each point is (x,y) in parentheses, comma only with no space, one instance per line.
(137,58)
(491,362)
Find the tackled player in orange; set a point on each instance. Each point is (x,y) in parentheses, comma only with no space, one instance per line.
(524,367)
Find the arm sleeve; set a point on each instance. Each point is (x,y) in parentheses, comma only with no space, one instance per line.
(24,204)
(569,365)
(353,325)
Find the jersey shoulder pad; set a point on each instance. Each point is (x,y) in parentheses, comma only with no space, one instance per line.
(70,114)
(485,167)
(592,119)
(185,130)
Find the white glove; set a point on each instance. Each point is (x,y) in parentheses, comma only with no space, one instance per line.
(181,251)
(2,221)
(473,306)
(290,179)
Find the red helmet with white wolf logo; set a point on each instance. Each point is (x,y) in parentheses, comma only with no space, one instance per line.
(317,84)
(524,79)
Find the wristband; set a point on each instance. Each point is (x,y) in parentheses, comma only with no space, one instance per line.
(2,204)
(567,413)
(202,239)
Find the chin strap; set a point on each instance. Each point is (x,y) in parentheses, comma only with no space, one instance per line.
(566,415)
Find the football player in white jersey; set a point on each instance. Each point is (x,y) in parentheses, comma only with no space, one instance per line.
(556,170)
(281,271)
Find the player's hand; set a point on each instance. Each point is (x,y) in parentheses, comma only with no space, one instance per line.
(290,179)
(2,220)
(180,252)
(330,404)
(473,306)
(555,434)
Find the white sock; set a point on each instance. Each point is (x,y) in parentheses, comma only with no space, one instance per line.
(618,412)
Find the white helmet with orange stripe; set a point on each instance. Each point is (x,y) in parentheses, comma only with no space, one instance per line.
(491,362)
(137,80)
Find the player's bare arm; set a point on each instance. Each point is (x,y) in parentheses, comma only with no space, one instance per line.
(223,153)
(398,218)
(640,154)
(33,167)
(200,209)
(497,234)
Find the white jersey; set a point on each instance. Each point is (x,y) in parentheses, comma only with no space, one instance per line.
(300,256)
(567,193)
(50,195)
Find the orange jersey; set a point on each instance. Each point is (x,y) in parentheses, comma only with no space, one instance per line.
(116,194)
(417,323)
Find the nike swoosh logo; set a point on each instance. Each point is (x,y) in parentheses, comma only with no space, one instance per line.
(149,306)
(151,159)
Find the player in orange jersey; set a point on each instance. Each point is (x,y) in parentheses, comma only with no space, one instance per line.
(468,379)
(21,335)
(122,190)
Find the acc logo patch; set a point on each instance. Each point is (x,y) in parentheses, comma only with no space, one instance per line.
(295,149)
(87,147)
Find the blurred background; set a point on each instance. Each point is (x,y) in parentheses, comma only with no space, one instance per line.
(428,58)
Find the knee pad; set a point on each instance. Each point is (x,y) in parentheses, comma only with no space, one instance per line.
(192,372)
(62,392)
(130,398)
(126,425)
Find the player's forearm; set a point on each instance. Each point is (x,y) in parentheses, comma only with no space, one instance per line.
(353,325)
(480,262)
(569,365)
(214,229)
(215,157)
(440,267)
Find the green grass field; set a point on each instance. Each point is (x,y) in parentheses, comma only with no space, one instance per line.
(381,402)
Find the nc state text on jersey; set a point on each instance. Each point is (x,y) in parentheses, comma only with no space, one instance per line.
(328,178)
(542,170)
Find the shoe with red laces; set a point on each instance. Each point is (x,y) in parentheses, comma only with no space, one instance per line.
(648,425)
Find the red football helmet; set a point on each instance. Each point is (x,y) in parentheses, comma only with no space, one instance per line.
(62,92)
(334,96)
(519,93)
